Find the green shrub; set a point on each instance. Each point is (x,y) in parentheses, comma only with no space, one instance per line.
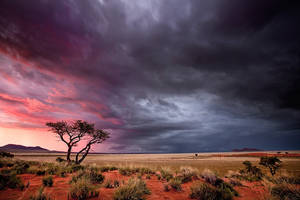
(144,170)
(187,173)
(203,191)
(104,169)
(223,191)
(48,181)
(135,189)
(126,171)
(273,163)
(20,167)
(40,195)
(286,192)
(93,176)
(10,181)
(175,183)
(148,176)
(158,176)
(166,175)
(82,189)
(76,167)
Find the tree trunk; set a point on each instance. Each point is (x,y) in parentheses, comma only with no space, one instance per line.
(86,151)
(69,154)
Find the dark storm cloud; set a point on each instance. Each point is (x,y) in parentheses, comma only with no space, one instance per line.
(171,76)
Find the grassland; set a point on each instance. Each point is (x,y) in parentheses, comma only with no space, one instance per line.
(219,164)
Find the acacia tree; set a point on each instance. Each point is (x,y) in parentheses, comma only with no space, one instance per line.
(74,132)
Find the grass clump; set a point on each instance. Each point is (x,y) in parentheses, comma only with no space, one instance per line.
(135,189)
(48,181)
(286,191)
(186,174)
(175,183)
(126,171)
(10,181)
(40,195)
(166,174)
(219,191)
(209,176)
(92,176)
(82,189)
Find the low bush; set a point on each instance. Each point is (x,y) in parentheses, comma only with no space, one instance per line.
(286,192)
(203,191)
(60,159)
(187,173)
(222,191)
(135,189)
(82,189)
(104,169)
(250,172)
(20,167)
(41,172)
(166,174)
(158,176)
(126,171)
(40,195)
(48,181)
(10,181)
(148,176)
(93,176)
(235,182)
(4,154)
(76,167)
(175,183)
(112,168)
(209,176)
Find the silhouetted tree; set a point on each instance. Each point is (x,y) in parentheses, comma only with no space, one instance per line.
(273,163)
(74,132)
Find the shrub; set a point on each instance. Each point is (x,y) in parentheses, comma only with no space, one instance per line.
(82,189)
(4,154)
(250,172)
(60,159)
(203,191)
(286,192)
(135,189)
(158,176)
(209,176)
(20,167)
(273,163)
(104,169)
(187,174)
(175,183)
(41,172)
(76,167)
(96,177)
(48,181)
(10,181)
(40,195)
(287,179)
(166,175)
(112,168)
(126,171)
(222,191)
(148,177)
(144,170)
(235,182)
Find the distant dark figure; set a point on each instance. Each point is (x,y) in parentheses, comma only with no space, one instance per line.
(278,152)
(196,154)
(286,152)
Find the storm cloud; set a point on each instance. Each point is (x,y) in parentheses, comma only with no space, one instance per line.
(162,76)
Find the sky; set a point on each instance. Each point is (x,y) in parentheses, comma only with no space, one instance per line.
(160,76)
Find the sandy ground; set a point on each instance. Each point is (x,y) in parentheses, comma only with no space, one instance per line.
(60,189)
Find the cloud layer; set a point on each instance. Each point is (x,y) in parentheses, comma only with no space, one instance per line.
(162,76)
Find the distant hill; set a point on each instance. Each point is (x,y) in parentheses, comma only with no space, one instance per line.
(15,148)
(246,149)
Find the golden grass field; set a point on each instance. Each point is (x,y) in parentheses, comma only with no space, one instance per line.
(219,164)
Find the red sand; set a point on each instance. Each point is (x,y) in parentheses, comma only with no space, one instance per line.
(60,189)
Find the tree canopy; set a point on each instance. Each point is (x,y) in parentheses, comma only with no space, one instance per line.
(73,132)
